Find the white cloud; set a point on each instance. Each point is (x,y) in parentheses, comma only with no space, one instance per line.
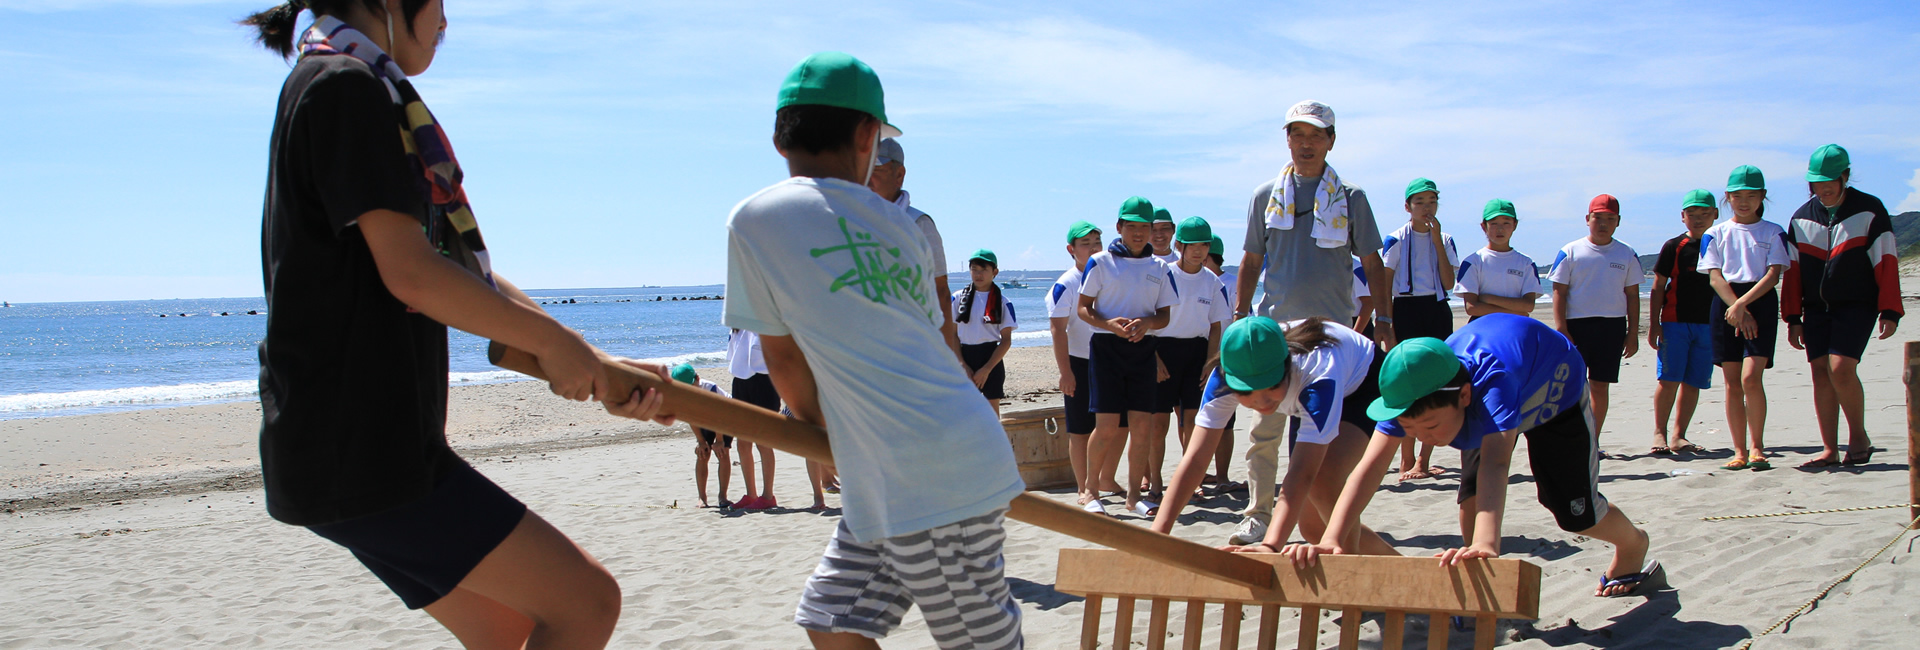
(1912,202)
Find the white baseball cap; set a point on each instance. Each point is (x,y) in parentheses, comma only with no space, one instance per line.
(1311,112)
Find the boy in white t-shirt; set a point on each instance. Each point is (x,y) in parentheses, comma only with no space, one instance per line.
(1420,263)
(1498,279)
(707,444)
(985,322)
(1183,347)
(1071,336)
(1162,237)
(834,279)
(1744,257)
(1125,295)
(1596,300)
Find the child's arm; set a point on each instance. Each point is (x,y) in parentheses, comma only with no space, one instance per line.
(1657,303)
(1156,321)
(1480,518)
(1736,315)
(1006,343)
(1361,484)
(1186,477)
(792,378)
(1366,313)
(423,279)
(1251,266)
(1092,317)
(1560,308)
(1633,320)
(1378,275)
(1302,468)
(1522,306)
(1059,328)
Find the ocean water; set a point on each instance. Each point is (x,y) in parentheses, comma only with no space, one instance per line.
(90,357)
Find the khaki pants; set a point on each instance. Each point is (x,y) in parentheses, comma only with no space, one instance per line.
(1263,465)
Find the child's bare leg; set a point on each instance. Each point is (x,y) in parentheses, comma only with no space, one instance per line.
(841,641)
(746,469)
(1106,441)
(568,598)
(1629,547)
(1077,457)
(766,477)
(1426,457)
(1689,401)
(1664,394)
(1753,382)
(1223,456)
(817,477)
(1737,410)
(996,406)
(1139,441)
(1597,393)
(1157,452)
(726,471)
(700,455)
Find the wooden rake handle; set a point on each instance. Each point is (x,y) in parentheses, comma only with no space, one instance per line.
(764,427)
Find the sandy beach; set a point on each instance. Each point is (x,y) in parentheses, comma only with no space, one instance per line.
(145,529)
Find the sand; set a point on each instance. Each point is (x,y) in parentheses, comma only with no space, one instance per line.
(146,529)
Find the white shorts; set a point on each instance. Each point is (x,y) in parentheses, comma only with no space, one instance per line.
(955,573)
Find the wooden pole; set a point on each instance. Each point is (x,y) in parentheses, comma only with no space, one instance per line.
(1913,430)
(761,426)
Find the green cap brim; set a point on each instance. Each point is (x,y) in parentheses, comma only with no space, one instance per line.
(1261,381)
(1135,218)
(1815,177)
(1380,411)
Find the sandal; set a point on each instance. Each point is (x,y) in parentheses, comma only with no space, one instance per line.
(1820,462)
(1861,459)
(1735,465)
(1653,577)
(1094,507)
(1145,508)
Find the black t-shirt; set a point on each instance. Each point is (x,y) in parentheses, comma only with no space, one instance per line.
(1689,292)
(353,386)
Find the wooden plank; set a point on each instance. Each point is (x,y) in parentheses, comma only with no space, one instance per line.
(1123,624)
(1157,624)
(1090,624)
(1196,625)
(1486,630)
(761,426)
(1507,588)
(1269,627)
(1438,625)
(1394,630)
(1350,628)
(1309,628)
(1230,627)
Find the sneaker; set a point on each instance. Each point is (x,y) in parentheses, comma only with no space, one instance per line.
(1252,531)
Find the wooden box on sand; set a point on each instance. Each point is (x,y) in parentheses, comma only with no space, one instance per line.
(1039,440)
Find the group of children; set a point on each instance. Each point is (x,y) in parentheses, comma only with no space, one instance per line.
(370,251)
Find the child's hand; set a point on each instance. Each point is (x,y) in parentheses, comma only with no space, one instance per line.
(641,405)
(1067,385)
(573,369)
(1795,337)
(1653,336)
(1633,346)
(1306,555)
(1118,325)
(1458,556)
(980,377)
(1742,321)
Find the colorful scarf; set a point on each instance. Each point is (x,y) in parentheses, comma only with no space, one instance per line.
(965,313)
(1329,208)
(451,226)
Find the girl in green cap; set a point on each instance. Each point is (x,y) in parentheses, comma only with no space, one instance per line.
(1744,258)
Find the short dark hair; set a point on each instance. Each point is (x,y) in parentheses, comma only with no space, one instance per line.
(1439,398)
(275,25)
(816,129)
(1217,259)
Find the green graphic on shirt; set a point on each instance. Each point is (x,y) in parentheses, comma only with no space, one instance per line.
(877,270)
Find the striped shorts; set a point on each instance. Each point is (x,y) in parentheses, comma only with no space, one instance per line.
(955,573)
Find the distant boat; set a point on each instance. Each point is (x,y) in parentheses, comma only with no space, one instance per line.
(1014,284)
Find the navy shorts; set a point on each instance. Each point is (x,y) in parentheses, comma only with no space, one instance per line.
(1564,455)
(423,550)
(1418,316)
(757,390)
(1841,330)
(708,436)
(1122,374)
(1080,403)
(1728,347)
(978,355)
(1182,390)
(1601,341)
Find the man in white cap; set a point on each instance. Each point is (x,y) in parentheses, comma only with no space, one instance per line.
(1304,227)
(889,175)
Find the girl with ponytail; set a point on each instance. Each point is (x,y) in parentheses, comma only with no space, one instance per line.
(370,251)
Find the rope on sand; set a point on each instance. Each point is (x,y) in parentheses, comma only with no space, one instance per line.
(1808,606)
(1808,512)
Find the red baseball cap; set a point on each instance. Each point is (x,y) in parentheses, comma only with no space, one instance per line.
(1604,203)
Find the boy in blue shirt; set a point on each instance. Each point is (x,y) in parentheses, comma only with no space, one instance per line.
(1497,378)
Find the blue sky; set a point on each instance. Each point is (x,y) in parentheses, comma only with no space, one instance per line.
(605,142)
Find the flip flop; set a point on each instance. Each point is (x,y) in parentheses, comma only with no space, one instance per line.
(1662,451)
(1146,508)
(1653,576)
(1759,464)
(1862,459)
(1688,448)
(1820,463)
(1737,465)
(1095,507)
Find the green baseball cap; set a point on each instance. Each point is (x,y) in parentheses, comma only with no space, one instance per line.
(1827,164)
(1161,214)
(1421,185)
(1699,199)
(1414,369)
(684,373)
(1193,230)
(985,255)
(1746,177)
(1498,208)
(1137,210)
(1080,229)
(837,79)
(1253,354)
(1216,247)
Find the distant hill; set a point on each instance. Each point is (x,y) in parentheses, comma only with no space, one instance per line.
(1906,231)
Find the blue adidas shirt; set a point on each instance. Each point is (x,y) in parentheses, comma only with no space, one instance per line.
(1523,374)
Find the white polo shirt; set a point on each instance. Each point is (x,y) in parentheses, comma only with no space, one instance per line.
(1203,302)
(1318,383)
(744,359)
(1595,277)
(976,330)
(1131,287)
(1744,251)
(1416,269)
(1487,272)
(1063,301)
